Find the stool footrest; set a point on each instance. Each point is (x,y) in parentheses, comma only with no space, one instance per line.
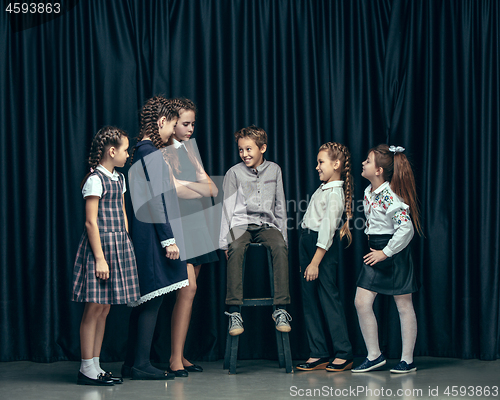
(266,301)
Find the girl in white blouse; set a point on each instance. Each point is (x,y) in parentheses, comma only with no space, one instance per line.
(388,267)
(319,258)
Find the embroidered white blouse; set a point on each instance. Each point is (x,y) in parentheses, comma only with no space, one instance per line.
(324,212)
(387,214)
(93,185)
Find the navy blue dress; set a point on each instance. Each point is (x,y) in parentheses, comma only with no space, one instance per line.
(155,221)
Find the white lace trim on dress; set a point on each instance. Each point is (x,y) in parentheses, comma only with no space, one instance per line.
(159,292)
(168,242)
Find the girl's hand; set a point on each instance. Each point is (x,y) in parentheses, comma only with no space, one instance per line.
(102,269)
(172,251)
(374,257)
(311,273)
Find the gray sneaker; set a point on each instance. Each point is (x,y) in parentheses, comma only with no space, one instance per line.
(235,323)
(282,318)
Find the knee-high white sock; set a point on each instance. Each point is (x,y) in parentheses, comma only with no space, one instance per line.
(408,321)
(87,368)
(367,321)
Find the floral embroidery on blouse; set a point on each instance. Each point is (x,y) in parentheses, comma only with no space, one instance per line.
(383,199)
(401,216)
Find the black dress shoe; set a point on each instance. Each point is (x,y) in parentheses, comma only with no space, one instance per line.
(193,368)
(141,375)
(180,373)
(346,365)
(100,381)
(114,379)
(311,366)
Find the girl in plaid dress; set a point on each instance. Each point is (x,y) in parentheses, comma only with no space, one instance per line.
(105,269)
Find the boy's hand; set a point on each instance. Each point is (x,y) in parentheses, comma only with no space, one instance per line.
(311,273)
(225,252)
(374,257)
(101,269)
(172,251)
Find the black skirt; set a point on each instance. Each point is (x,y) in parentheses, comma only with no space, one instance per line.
(393,276)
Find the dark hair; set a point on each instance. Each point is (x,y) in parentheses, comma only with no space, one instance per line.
(155,108)
(397,170)
(258,135)
(173,159)
(337,151)
(105,138)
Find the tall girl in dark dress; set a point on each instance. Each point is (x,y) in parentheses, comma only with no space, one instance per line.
(188,170)
(159,267)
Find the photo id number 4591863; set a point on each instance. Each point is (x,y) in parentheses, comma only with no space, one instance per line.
(33,8)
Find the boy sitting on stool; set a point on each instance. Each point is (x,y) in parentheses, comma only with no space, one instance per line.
(254,212)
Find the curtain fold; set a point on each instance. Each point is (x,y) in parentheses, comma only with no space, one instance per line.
(421,74)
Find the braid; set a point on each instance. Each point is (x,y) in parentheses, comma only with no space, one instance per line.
(106,137)
(153,110)
(337,151)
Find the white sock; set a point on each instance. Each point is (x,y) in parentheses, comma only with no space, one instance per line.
(98,366)
(87,368)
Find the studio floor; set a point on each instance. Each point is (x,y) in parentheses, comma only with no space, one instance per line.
(436,378)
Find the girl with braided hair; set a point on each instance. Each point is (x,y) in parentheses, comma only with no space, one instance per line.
(388,267)
(105,268)
(319,259)
(156,232)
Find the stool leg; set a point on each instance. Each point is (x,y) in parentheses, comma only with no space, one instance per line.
(288,353)
(234,354)
(227,354)
(281,353)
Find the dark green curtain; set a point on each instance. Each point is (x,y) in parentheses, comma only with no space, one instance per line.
(421,74)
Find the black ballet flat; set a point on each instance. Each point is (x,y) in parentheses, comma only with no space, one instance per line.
(114,379)
(193,368)
(311,366)
(180,373)
(100,381)
(141,375)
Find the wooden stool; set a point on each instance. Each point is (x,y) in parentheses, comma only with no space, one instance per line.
(282,339)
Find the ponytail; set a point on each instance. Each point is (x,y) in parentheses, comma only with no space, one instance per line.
(397,170)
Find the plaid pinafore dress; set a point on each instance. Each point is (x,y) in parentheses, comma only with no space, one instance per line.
(122,287)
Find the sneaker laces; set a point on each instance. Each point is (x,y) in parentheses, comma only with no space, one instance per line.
(235,318)
(281,316)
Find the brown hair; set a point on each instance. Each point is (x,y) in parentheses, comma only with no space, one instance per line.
(151,112)
(258,135)
(397,170)
(105,138)
(337,151)
(173,159)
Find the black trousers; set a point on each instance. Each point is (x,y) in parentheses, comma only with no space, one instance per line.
(273,240)
(323,310)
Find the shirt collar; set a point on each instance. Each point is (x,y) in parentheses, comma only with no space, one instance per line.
(178,144)
(112,175)
(379,189)
(332,184)
(261,167)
